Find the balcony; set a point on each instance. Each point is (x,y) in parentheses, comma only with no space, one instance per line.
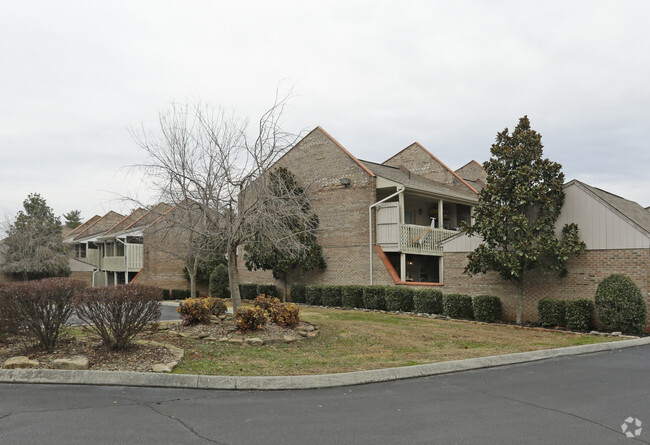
(132,260)
(411,238)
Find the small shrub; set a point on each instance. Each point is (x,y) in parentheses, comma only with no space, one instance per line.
(579,314)
(217,306)
(266,303)
(488,308)
(313,295)
(250,318)
(267,289)
(620,305)
(551,312)
(285,314)
(374,297)
(331,296)
(42,308)
(219,282)
(427,301)
(399,299)
(8,321)
(195,310)
(297,293)
(117,314)
(352,296)
(248,291)
(458,306)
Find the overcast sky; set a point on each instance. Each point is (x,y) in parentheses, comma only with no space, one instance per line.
(77,75)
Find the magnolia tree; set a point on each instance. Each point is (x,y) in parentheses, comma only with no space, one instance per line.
(517,211)
(210,158)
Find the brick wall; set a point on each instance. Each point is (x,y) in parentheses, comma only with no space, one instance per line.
(585,272)
(318,164)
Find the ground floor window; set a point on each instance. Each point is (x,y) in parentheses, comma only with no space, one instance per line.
(419,268)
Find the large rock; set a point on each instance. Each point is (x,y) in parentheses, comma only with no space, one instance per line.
(254,341)
(164,367)
(20,362)
(75,363)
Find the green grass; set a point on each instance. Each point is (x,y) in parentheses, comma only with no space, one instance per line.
(354,340)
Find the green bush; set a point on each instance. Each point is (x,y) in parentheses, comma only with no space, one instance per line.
(248,291)
(551,312)
(427,301)
(399,299)
(219,282)
(331,296)
(579,314)
(620,305)
(178,294)
(374,297)
(313,295)
(166,294)
(267,289)
(297,293)
(352,296)
(250,318)
(457,306)
(488,308)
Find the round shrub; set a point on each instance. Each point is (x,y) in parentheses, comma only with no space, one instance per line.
(374,297)
(331,296)
(488,308)
(217,306)
(250,318)
(195,310)
(219,282)
(267,289)
(620,305)
(551,312)
(297,293)
(399,299)
(313,295)
(265,302)
(579,314)
(286,315)
(458,306)
(352,296)
(427,301)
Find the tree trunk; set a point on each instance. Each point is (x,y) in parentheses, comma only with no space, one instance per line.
(286,287)
(193,272)
(520,300)
(233,278)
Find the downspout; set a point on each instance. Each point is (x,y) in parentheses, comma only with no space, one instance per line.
(126,262)
(399,191)
(93,279)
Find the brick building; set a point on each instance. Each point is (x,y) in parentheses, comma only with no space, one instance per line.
(396,223)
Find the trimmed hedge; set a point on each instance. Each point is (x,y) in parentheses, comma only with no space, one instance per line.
(551,312)
(331,296)
(579,314)
(458,306)
(352,296)
(399,299)
(267,289)
(488,308)
(313,295)
(620,305)
(427,301)
(297,293)
(248,291)
(182,294)
(374,297)
(166,294)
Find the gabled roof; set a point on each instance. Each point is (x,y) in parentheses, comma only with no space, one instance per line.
(435,159)
(418,183)
(84,226)
(126,221)
(630,210)
(100,226)
(149,217)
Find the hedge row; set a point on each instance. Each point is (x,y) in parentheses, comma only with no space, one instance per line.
(177,294)
(403,299)
(576,314)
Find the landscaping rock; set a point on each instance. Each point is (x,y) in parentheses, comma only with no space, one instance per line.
(223,339)
(312,334)
(254,341)
(594,333)
(616,334)
(75,363)
(235,341)
(222,317)
(20,362)
(273,341)
(303,333)
(164,367)
(210,339)
(288,339)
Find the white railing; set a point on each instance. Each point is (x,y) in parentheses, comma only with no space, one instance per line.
(119,263)
(422,239)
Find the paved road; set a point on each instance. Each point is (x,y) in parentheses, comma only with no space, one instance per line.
(574,400)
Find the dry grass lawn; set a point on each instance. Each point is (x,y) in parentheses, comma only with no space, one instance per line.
(356,340)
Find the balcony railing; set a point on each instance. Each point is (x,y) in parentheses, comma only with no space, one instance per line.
(119,263)
(422,239)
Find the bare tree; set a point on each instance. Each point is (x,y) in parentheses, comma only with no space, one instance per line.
(209,158)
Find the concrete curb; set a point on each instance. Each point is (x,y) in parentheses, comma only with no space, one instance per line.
(115,378)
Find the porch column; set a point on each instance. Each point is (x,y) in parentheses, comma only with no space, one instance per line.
(440,216)
(402,266)
(401,208)
(441,269)
(471,213)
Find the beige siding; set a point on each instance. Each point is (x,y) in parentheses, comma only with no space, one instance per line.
(600,226)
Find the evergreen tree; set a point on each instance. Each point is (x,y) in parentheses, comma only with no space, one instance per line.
(34,243)
(517,212)
(72,219)
(261,254)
